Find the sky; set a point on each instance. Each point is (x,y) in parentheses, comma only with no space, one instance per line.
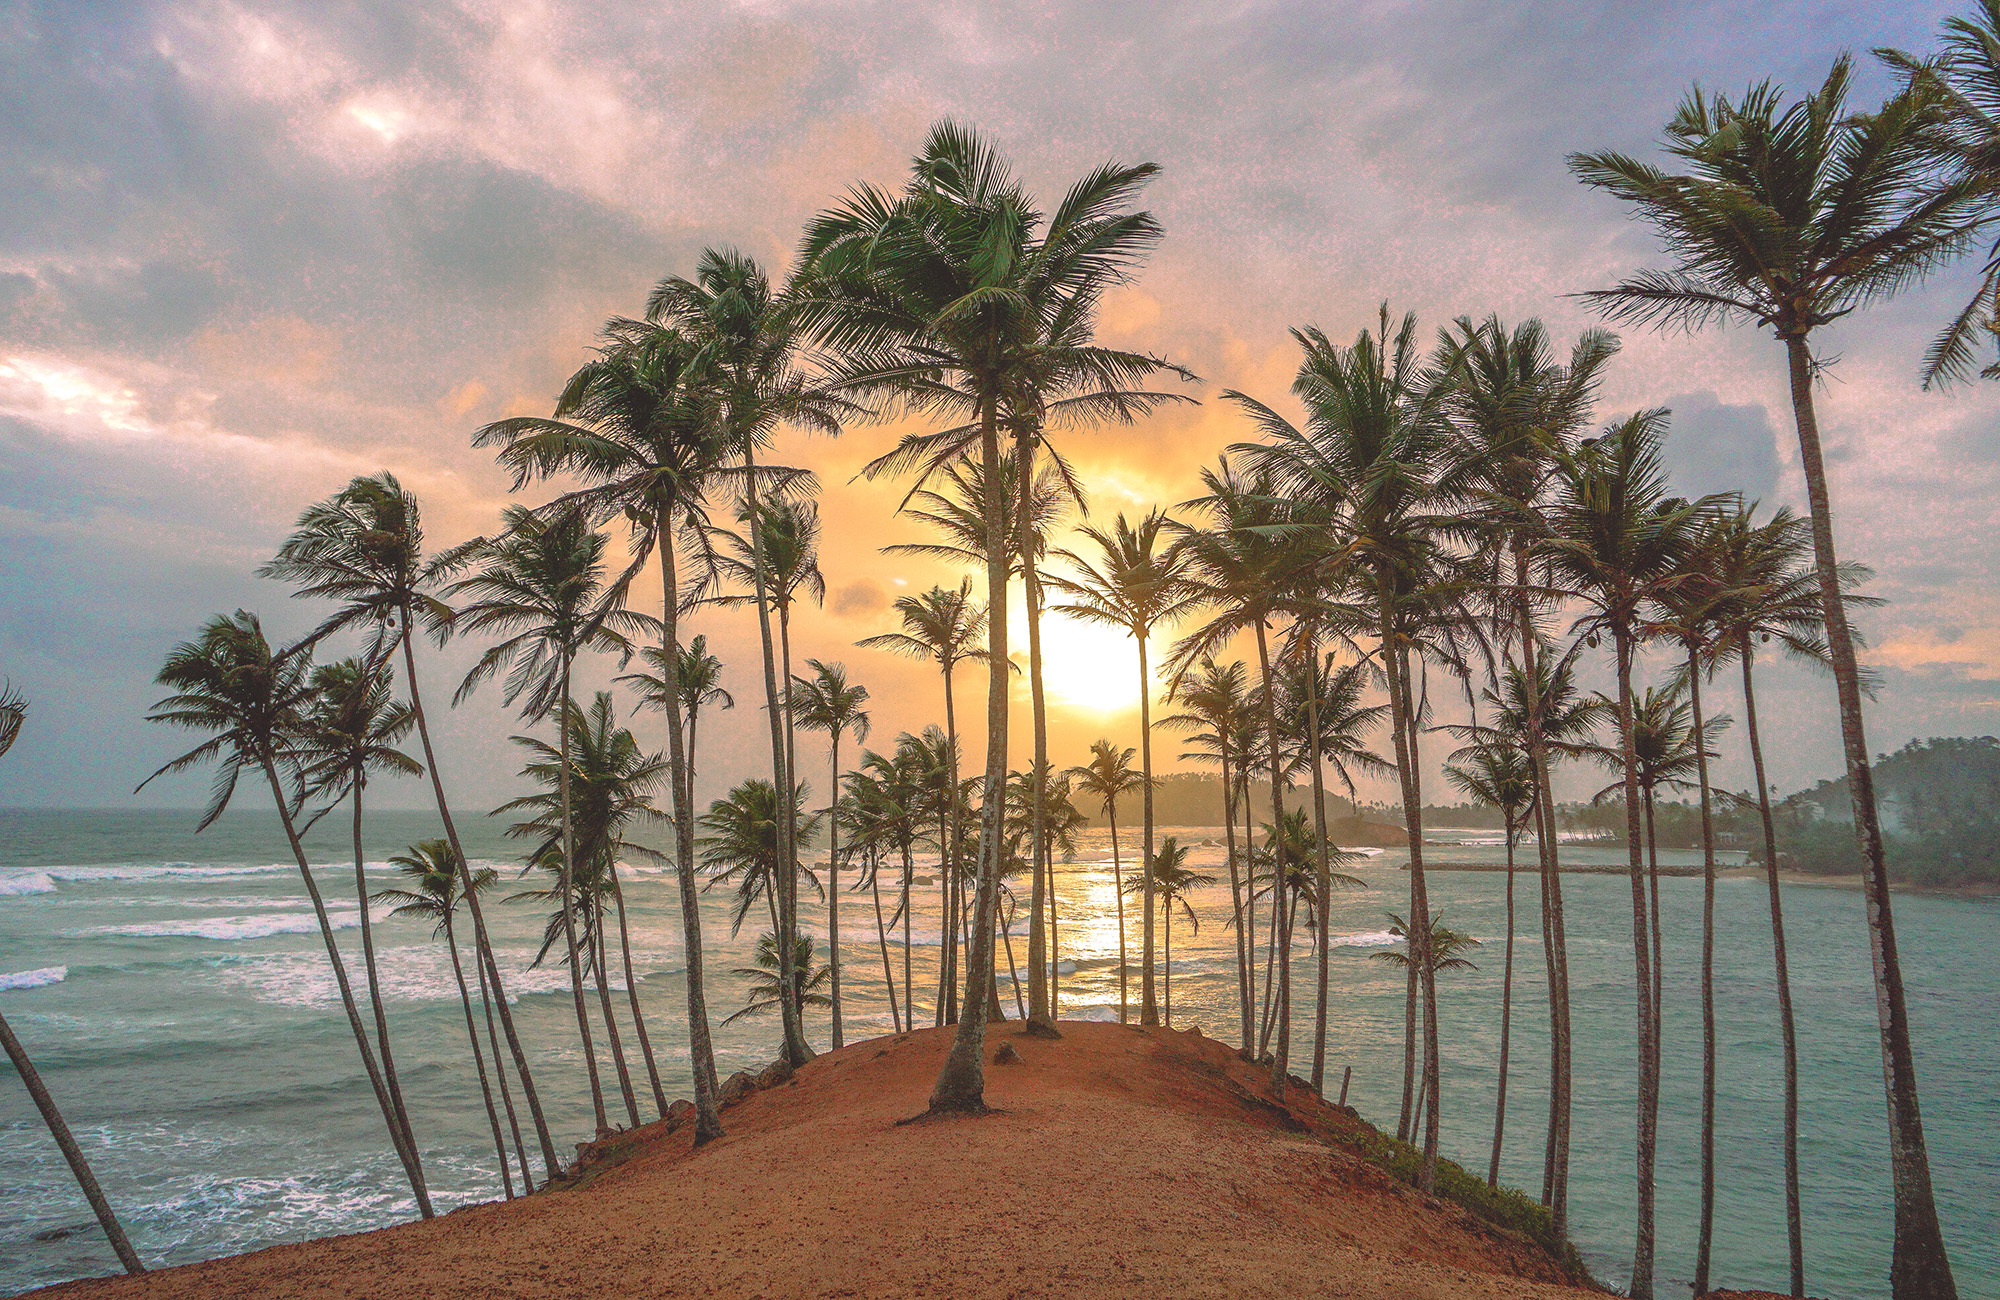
(248,252)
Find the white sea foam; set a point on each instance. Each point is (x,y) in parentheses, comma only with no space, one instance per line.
(1366,939)
(15,883)
(166,871)
(231,927)
(34,979)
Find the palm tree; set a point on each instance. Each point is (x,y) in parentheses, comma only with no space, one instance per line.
(874,819)
(635,425)
(1790,217)
(350,727)
(765,987)
(827,702)
(228,682)
(1109,776)
(612,784)
(1135,584)
(1617,541)
(1218,699)
(1245,566)
(1372,437)
(1170,882)
(699,681)
(363,548)
(947,298)
(436,880)
(944,627)
(542,580)
(744,846)
(1499,776)
(1440,947)
(748,339)
(13,712)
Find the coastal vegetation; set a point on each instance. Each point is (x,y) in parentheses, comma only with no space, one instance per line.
(1427,515)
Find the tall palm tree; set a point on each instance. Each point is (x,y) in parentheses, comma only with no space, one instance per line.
(872,815)
(1365,459)
(541,584)
(1108,777)
(363,548)
(1789,217)
(944,627)
(1512,404)
(350,727)
(943,298)
(748,341)
(1618,542)
(1171,883)
(228,682)
(1217,698)
(13,712)
(635,425)
(436,879)
(1499,776)
(828,702)
(1134,583)
(612,784)
(1245,566)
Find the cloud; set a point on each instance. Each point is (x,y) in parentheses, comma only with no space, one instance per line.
(1717,447)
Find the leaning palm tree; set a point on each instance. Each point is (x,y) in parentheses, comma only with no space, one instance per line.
(363,548)
(942,299)
(828,702)
(541,583)
(1790,217)
(1500,776)
(227,681)
(350,726)
(1618,542)
(748,340)
(634,424)
(13,712)
(435,880)
(1217,698)
(944,627)
(1136,584)
(1108,777)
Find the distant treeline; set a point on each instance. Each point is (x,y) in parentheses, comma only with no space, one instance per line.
(1940,802)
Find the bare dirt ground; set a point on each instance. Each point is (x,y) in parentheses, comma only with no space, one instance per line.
(1137,1163)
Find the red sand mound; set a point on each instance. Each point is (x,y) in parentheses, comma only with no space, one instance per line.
(1127,1162)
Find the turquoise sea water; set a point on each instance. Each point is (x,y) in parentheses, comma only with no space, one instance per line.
(176,996)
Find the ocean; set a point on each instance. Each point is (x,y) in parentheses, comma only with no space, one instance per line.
(176,996)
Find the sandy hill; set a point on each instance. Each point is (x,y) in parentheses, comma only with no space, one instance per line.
(1127,1162)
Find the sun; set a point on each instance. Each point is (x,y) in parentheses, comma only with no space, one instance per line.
(1089,666)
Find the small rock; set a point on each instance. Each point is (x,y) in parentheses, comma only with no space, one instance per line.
(679,1113)
(772,1075)
(1006,1055)
(738,1086)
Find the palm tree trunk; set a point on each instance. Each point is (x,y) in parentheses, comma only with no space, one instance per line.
(1919,1269)
(632,995)
(1007,935)
(404,1152)
(795,1049)
(565,881)
(1705,1238)
(1167,957)
(1041,1002)
(1506,1015)
(949,852)
(1413,806)
(1653,892)
(78,1166)
(1405,1129)
(680,767)
(478,1055)
(596,944)
(909,988)
(482,941)
(1235,891)
(882,940)
(833,881)
(374,977)
(1794,1222)
(1149,1011)
(1324,880)
(500,1075)
(1649,1087)
(1118,895)
(961,1082)
(1281,931)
